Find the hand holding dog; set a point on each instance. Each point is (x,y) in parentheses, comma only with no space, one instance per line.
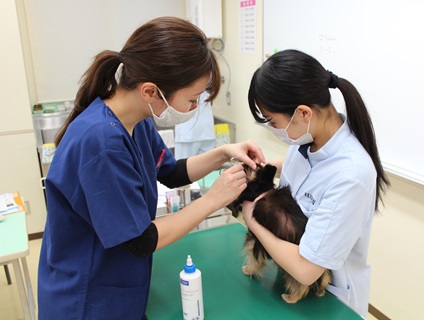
(247,209)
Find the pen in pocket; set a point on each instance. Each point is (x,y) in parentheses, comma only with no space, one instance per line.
(162,154)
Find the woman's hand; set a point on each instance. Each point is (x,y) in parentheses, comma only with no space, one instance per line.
(247,209)
(200,165)
(228,186)
(247,152)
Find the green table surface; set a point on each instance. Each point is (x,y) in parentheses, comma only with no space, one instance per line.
(206,182)
(227,292)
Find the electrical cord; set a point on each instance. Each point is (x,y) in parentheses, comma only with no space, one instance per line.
(218,45)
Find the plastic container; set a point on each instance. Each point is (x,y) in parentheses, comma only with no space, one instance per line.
(175,203)
(37,109)
(191,291)
(50,107)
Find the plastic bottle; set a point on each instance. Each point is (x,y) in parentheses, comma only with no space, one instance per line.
(191,291)
(175,203)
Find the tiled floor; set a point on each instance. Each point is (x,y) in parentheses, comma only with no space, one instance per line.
(10,306)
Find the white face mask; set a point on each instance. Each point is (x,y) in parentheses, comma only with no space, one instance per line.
(284,136)
(171,117)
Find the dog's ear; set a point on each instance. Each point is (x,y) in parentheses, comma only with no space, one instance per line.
(268,172)
(248,170)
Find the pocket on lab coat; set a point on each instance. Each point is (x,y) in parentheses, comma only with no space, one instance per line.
(318,224)
(118,303)
(343,294)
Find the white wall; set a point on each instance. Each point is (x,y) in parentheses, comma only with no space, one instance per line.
(242,68)
(19,169)
(396,252)
(386,33)
(64,37)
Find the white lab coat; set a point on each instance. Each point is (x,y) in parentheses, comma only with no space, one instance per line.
(336,189)
(196,135)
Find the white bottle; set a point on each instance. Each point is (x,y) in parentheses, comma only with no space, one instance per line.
(191,291)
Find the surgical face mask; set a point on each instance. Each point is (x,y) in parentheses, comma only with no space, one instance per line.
(171,117)
(284,136)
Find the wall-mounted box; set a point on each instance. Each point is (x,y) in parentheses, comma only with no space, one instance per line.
(207,15)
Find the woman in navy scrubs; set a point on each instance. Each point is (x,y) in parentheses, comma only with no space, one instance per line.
(101,231)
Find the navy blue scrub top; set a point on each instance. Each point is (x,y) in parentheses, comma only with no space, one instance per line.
(101,191)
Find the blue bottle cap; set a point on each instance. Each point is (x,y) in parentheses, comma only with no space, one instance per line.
(189,267)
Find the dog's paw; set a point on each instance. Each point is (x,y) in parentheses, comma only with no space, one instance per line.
(289,298)
(320,293)
(246,271)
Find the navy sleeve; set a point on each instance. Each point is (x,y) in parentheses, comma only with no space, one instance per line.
(178,177)
(113,191)
(145,244)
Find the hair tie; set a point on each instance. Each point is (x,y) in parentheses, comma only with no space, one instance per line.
(118,73)
(118,54)
(334,80)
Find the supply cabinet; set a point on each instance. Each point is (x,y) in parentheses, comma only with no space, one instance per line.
(207,15)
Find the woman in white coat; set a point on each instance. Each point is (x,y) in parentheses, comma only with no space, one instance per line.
(333,169)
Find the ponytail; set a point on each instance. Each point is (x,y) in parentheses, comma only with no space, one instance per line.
(98,81)
(360,124)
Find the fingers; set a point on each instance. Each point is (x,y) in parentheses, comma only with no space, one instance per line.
(234,173)
(247,204)
(247,211)
(236,169)
(251,163)
(229,185)
(248,207)
(237,173)
(260,197)
(255,153)
(251,159)
(252,154)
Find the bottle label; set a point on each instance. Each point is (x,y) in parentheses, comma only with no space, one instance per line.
(184,282)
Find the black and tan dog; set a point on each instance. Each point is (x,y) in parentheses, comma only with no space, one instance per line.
(278,212)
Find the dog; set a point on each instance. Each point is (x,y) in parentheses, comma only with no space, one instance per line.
(259,181)
(278,212)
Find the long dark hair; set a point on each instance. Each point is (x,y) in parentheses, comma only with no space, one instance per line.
(291,78)
(170,52)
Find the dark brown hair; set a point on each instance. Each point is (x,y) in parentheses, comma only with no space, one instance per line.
(170,52)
